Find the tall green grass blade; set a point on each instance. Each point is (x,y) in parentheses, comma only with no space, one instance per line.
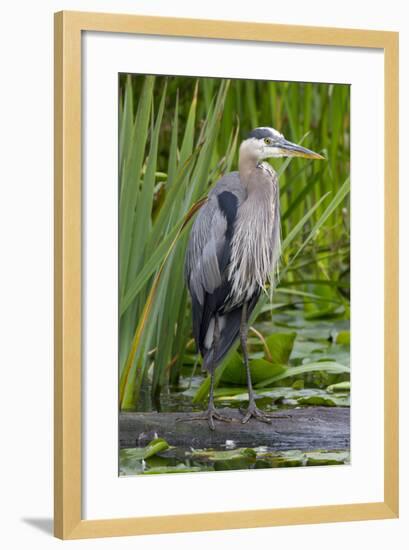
(149,302)
(130,179)
(339,197)
(300,225)
(126,124)
(173,148)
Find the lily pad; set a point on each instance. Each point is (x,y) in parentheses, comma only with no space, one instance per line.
(239,463)
(304,349)
(235,373)
(179,469)
(307,396)
(326,366)
(139,453)
(213,455)
(317,401)
(283,459)
(335,352)
(323,458)
(132,461)
(234,459)
(344,337)
(340,387)
(280,345)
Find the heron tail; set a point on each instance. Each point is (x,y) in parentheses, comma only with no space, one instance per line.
(229,331)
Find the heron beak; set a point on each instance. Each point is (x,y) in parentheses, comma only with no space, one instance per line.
(289,149)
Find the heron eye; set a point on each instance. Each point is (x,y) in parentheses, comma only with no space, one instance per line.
(268,141)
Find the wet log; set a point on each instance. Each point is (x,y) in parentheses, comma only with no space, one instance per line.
(305,429)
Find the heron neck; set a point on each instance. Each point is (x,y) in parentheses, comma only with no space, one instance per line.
(247,166)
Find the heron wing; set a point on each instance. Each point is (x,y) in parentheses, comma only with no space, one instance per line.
(207,259)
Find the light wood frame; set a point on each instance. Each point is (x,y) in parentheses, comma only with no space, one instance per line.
(68,522)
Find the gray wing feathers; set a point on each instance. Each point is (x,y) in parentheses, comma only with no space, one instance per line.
(207,240)
(211,276)
(205,269)
(207,236)
(230,182)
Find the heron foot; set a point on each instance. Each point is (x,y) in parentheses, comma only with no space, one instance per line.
(254,412)
(211,414)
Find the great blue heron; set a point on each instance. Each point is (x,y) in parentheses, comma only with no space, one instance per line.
(233,250)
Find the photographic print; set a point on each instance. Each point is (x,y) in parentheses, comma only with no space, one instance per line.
(234,274)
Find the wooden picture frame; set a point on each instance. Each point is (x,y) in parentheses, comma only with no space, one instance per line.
(68,522)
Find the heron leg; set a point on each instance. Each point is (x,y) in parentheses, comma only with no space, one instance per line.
(211,412)
(252,410)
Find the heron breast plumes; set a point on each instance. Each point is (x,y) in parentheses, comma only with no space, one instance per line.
(255,245)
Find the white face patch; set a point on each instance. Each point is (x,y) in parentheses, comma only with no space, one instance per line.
(256,147)
(273,152)
(252,147)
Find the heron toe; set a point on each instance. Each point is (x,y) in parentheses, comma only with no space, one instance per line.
(210,415)
(254,412)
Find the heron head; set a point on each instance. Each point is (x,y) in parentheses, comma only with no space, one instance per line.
(264,142)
